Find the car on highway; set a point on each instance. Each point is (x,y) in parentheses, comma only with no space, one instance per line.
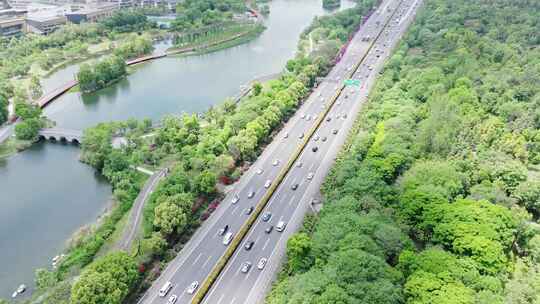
(324,138)
(334,131)
(227,238)
(299,164)
(246,266)
(248,210)
(251,194)
(266,216)
(328,118)
(260,171)
(294,186)
(316,138)
(192,287)
(262,263)
(281,226)
(165,289)
(172,299)
(301,136)
(269,229)
(223,230)
(235,199)
(344,115)
(275,162)
(303,116)
(315,149)
(310,175)
(286,135)
(308,118)
(248,245)
(267,183)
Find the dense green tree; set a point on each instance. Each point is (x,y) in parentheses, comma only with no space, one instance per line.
(28,129)
(298,248)
(108,280)
(169,217)
(45,279)
(97,145)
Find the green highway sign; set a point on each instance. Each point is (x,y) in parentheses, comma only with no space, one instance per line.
(352,82)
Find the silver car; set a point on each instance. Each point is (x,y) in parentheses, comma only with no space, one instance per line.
(262,263)
(246,266)
(192,287)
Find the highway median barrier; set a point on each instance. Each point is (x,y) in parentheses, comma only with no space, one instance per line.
(240,235)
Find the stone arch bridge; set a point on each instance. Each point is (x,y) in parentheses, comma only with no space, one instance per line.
(58,134)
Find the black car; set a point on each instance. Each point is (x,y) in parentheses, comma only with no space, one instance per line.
(324,138)
(269,229)
(249,210)
(328,118)
(294,186)
(249,245)
(334,131)
(223,230)
(315,149)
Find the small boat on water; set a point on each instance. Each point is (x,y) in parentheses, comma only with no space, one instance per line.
(20,290)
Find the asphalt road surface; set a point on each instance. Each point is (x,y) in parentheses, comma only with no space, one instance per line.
(205,248)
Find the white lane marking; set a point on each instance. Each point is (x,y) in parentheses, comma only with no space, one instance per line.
(233,299)
(234,210)
(280,218)
(220,299)
(206,262)
(291,200)
(311,167)
(197,259)
(257,239)
(265,244)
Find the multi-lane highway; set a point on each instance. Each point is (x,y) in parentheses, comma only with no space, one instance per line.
(289,205)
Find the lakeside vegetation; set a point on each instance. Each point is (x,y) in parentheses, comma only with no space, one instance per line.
(435,199)
(201,151)
(25,59)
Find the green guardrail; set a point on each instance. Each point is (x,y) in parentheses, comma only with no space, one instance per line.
(239,237)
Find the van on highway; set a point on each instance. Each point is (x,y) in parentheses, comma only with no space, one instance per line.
(227,238)
(165,289)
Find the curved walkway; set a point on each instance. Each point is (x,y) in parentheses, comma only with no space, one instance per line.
(135,216)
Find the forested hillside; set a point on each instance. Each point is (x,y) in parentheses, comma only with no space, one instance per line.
(437,196)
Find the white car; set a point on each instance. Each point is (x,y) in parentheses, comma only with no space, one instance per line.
(227,238)
(192,287)
(172,299)
(276,162)
(303,116)
(260,171)
(235,199)
(310,175)
(165,289)
(281,226)
(262,263)
(267,183)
